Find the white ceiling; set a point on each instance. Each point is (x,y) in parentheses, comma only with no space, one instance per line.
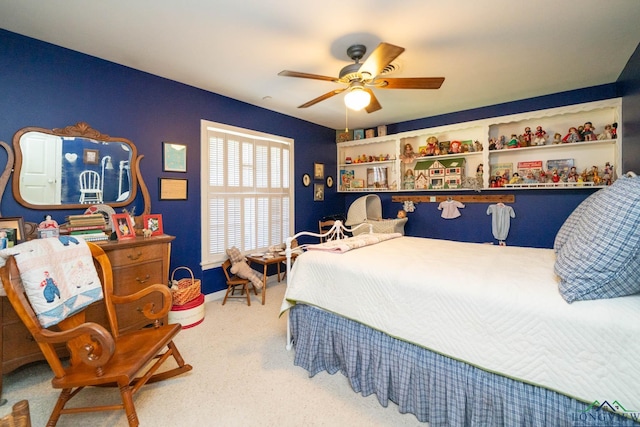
(489,51)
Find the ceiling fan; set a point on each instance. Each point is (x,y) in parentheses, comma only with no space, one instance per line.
(359,77)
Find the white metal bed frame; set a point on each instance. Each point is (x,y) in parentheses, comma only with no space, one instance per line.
(337,232)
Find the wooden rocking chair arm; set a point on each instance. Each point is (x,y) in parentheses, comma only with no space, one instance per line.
(149,310)
(96,354)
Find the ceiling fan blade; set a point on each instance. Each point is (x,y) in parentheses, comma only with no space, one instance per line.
(374,105)
(380,58)
(322,98)
(410,83)
(288,73)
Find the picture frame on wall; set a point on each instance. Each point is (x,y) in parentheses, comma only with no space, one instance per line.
(358,134)
(91,157)
(318,192)
(174,157)
(318,171)
(172,188)
(153,223)
(123,226)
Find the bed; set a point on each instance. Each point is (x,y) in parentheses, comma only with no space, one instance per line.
(472,334)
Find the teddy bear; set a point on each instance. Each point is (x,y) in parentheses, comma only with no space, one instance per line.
(240,267)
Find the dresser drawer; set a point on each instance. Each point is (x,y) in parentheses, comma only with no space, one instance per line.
(136,255)
(128,280)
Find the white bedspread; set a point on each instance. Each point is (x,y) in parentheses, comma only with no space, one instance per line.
(495,307)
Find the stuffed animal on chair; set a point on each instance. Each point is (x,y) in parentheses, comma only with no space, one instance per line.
(240,267)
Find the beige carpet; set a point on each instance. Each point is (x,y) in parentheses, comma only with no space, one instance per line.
(242,376)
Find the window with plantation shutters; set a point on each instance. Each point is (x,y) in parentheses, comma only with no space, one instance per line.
(247,198)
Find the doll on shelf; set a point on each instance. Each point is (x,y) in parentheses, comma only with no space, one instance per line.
(607,133)
(408,183)
(587,132)
(541,136)
(515,178)
(572,136)
(513,142)
(432,146)
(407,155)
(527,137)
(557,138)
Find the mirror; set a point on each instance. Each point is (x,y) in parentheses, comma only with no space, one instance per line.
(49,164)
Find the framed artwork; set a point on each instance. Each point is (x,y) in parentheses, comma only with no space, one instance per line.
(318,171)
(306,180)
(123,226)
(14,229)
(329,182)
(153,222)
(174,157)
(91,157)
(318,192)
(172,188)
(358,134)
(357,183)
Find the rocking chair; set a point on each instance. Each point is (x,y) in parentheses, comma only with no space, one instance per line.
(99,357)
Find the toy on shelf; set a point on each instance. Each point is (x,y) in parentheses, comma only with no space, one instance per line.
(527,137)
(587,132)
(407,155)
(572,136)
(513,142)
(541,136)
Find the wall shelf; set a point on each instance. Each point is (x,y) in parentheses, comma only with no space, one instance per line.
(480,166)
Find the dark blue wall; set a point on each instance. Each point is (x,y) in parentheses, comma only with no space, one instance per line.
(48,86)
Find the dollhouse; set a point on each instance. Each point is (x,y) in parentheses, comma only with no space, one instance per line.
(440,173)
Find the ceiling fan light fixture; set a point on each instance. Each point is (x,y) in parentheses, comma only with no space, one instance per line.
(357,98)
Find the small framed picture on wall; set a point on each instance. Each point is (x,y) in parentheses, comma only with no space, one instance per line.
(318,171)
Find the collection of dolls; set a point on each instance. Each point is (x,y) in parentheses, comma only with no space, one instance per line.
(530,138)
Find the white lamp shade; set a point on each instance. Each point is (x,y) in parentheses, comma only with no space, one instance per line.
(357,98)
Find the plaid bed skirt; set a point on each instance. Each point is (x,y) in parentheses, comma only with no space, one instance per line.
(435,388)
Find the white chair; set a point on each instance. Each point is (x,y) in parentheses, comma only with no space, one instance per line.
(90,191)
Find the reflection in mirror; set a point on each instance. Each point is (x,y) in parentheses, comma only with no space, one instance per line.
(51,166)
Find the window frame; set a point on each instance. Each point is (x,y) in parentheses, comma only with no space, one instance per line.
(277,156)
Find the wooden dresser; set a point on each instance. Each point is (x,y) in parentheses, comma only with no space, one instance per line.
(136,263)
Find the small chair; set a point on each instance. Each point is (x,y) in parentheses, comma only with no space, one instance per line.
(90,190)
(325,226)
(100,357)
(233,282)
(19,416)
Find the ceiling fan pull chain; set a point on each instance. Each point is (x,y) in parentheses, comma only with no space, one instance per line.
(346,120)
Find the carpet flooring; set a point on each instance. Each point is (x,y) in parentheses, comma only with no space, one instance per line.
(242,376)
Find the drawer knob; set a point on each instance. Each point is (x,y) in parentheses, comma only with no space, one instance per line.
(145,280)
(134,257)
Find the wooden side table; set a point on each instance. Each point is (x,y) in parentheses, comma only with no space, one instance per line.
(265,263)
